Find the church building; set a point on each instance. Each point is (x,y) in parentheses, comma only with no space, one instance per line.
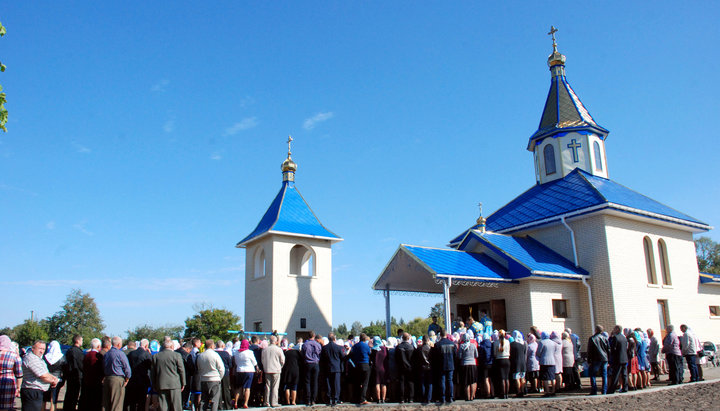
(288,266)
(575,250)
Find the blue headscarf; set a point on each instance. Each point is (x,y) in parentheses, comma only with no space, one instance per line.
(544,335)
(517,336)
(377,343)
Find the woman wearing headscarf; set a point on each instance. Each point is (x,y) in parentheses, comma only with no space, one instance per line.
(245,368)
(532,366)
(55,361)
(10,373)
(467,356)
(501,362)
(632,360)
(568,360)
(555,338)
(485,363)
(518,353)
(546,358)
(379,366)
(290,374)
(643,364)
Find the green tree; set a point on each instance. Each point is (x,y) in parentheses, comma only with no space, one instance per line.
(10,332)
(341,331)
(418,326)
(3,111)
(155,333)
(375,328)
(213,323)
(438,310)
(708,255)
(79,315)
(30,331)
(356,328)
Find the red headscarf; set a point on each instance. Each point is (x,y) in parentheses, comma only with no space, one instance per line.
(244,345)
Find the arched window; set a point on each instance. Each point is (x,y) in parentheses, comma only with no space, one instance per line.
(549,155)
(649,261)
(260,263)
(598,156)
(302,261)
(664,266)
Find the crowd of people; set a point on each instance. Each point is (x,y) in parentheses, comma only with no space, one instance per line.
(469,363)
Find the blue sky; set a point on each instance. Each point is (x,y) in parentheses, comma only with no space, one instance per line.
(145,138)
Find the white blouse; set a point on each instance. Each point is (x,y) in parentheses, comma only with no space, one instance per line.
(245,361)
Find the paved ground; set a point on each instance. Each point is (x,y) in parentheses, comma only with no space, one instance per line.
(698,396)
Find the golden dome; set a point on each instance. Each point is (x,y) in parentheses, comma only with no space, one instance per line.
(556,59)
(289,165)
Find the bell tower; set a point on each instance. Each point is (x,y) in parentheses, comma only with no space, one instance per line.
(568,137)
(288,265)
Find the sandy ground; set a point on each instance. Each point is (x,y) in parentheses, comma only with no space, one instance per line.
(697,396)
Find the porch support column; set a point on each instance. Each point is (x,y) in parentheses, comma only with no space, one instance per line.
(387,311)
(446,302)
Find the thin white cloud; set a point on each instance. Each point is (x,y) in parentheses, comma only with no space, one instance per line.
(81,148)
(7,187)
(169,126)
(146,283)
(310,123)
(244,124)
(160,86)
(81,227)
(50,225)
(216,156)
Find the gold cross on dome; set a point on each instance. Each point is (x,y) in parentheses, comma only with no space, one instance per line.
(290,139)
(552,32)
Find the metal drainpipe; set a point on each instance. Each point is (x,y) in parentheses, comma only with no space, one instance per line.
(584,278)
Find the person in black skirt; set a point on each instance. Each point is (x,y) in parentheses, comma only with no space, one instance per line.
(501,363)
(518,363)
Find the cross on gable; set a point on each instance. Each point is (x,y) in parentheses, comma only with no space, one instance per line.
(552,32)
(574,145)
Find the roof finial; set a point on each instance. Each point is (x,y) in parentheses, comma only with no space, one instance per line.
(552,32)
(481,220)
(556,61)
(288,166)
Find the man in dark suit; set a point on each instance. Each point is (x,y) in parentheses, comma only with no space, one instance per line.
(168,377)
(445,352)
(332,356)
(73,373)
(184,352)
(140,361)
(403,359)
(619,360)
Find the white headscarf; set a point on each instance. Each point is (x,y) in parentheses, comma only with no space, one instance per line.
(54,353)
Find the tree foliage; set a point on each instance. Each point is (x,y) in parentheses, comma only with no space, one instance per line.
(30,331)
(79,315)
(341,331)
(356,328)
(708,255)
(155,333)
(3,111)
(213,323)
(437,310)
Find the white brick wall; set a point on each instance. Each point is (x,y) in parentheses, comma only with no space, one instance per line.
(280,299)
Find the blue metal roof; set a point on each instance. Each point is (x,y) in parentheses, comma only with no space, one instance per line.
(574,192)
(709,278)
(447,262)
(289,213)
(532,256)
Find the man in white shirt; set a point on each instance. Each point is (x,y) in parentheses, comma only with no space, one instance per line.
(36,378)
(210,369)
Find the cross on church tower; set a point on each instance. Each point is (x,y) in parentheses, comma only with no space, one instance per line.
(552,32)
(574,145)
(290,139)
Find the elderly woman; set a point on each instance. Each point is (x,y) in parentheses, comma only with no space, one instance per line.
(55,361)
(568,360)
(546,358)
(532,366)
(245,368)
(10,373)
(518,353)
(555,338)
(467,356)
(379,364)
